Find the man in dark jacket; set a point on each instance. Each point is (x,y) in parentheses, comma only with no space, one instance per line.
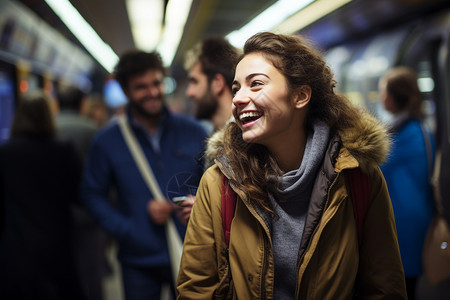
(172,145)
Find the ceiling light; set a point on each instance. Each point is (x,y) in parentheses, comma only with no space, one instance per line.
(267,20)
(146,22)
(176,16)
(308,15)
(101,51)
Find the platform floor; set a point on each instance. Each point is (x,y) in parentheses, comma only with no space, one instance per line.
(112,284)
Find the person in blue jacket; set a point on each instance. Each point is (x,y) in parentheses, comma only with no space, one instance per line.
(408,167)
(173,145)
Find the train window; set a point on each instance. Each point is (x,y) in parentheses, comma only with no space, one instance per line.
(426,84)
(424,59)
(336,58)
(379,57)
(7,96)
(369,60)
(352,71)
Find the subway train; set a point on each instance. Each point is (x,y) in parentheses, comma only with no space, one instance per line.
(382,35)
(360,41)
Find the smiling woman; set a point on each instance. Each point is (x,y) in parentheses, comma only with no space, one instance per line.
(267,112)
(286,157)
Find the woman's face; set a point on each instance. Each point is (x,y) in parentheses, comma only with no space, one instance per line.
(262,105)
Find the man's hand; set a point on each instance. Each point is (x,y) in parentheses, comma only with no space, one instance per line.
(159,211)
(184,209)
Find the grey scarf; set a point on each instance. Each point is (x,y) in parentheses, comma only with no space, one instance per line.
(291,207)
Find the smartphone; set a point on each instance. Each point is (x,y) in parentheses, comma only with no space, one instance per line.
(180,199)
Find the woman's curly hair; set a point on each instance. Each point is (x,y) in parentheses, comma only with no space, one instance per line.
(253,165)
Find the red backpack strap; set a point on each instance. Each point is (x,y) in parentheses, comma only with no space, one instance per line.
(228,206)
(360,194)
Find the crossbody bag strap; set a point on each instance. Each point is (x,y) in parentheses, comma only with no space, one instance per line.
(140,159)
(173,238)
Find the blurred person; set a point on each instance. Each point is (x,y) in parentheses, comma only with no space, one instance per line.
(172,145)
(39,180)
(97,111)
(407,169)
(88,238)
(70,123)
(287,158)
(211,69)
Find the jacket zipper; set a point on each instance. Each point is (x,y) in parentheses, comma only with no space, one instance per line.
(266,249)
(227,254)
(264,269)
(297,290)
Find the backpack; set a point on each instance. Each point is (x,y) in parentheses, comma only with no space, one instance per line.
(359,193)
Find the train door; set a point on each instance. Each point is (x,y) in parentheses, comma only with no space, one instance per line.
(368,60)
(428,54)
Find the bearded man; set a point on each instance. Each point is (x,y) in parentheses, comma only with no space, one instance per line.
(172,145)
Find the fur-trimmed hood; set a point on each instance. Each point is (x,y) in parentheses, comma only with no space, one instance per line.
(368,142)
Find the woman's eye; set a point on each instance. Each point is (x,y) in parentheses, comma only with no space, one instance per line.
(234,91)
(255,83)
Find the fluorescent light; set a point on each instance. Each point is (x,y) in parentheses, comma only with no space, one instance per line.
(101,51)
(426,84)
(267,20)
(308,15)
(146,21)
(176,16)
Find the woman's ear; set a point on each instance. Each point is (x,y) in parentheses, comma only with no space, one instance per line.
(302,96)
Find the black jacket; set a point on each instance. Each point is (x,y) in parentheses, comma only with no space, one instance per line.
(39,178)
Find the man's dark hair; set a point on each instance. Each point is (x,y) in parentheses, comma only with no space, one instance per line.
(70,97)
(217,56)
(135,62)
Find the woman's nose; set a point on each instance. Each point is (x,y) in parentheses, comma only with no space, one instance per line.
(241,98)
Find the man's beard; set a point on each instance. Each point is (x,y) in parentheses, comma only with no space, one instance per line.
(206,107)
(139,109)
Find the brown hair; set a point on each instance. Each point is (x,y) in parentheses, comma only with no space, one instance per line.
(216,56)
(401,84)
(33,116)
(136,62)
(300,64)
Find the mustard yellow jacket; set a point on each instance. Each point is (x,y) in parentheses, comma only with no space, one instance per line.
(331,263)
